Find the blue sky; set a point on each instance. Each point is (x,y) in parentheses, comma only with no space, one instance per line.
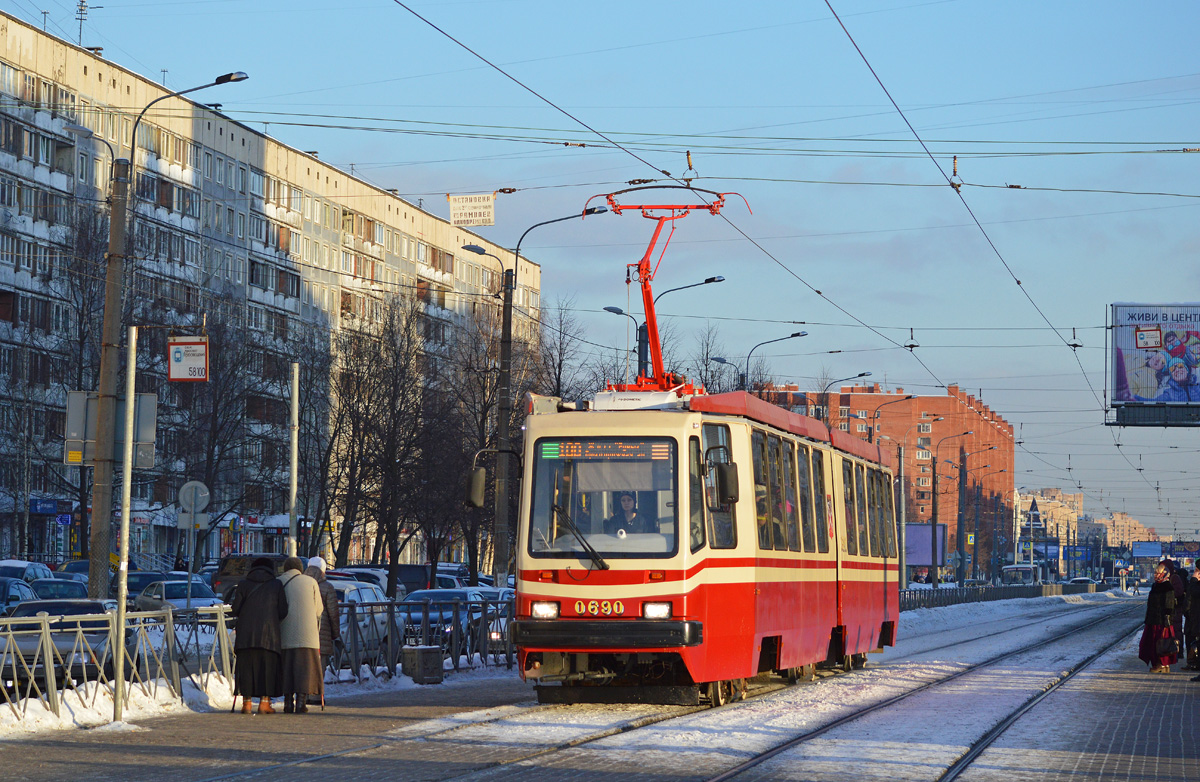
(1085,105)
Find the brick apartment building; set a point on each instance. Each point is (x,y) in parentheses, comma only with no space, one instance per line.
(972,472)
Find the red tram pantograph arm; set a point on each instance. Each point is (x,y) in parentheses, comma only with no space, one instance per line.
(644,274)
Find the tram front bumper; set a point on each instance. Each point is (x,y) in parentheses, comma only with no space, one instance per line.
(613,634)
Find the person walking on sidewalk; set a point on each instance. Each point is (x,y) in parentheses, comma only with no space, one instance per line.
(1157,646)
(259,606)
(1191,631)
(301,639)
(331,631)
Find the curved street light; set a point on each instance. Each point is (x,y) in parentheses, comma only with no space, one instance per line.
(637,329)
(744,378)
(504,401)
(875,417)
(933,520)
(110,342)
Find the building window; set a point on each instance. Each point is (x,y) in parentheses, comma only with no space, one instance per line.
(924,428)
(925,455)
(208,165)
(862,427)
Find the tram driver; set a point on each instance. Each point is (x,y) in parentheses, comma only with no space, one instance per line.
(627,518)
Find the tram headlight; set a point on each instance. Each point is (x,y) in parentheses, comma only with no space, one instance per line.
(544,610)
(656,610)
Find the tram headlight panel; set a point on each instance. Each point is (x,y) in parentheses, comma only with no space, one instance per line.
(544,609)
(656,610)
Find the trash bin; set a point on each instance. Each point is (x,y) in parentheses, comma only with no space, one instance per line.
(422,663)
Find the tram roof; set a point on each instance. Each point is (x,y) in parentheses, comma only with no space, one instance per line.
(746,405)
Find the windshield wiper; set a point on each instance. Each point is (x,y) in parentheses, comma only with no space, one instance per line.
(570,524)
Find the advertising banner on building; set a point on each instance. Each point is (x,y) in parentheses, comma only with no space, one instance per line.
(475,209)
(1182,549)
(1155,354)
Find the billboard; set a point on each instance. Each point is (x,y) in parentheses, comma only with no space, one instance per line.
(1155,354)
(917,548)
(1147,549)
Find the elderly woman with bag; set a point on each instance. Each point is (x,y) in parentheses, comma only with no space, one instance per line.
(260,606)
(1157,647)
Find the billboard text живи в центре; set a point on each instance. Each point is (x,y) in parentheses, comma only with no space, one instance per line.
(1156,353)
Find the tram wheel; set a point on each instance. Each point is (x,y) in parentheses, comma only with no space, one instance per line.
(793,675)
(737,690)
(718,693)
(808,672)
(858,660)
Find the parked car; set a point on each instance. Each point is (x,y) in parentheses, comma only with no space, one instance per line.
(59,589)
(75,566)
(28,571)
(442,616)
(160,594)
(1082,580)
(376,576)
(134,583)
(372,620)
(234,568)
(66,575)
(13,592)
(81,644)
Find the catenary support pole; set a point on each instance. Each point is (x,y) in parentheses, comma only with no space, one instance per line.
(118,648)
(293,521)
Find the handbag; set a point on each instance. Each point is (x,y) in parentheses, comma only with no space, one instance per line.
(1166,646)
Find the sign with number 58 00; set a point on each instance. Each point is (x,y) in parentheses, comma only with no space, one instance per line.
(187,358)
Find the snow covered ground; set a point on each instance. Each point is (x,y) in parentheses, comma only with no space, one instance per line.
(918,657)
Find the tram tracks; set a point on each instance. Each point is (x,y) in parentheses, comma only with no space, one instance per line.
(979,746)
(504,726)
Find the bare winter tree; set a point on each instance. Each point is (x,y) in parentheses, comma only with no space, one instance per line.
(562,372)
(716,378)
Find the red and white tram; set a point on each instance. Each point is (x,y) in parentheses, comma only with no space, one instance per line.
(759,540)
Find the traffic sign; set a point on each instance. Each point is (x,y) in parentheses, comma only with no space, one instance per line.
(193,496)
(63,519)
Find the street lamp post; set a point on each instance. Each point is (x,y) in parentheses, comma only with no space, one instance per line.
(933,519)
(901,453)
(875,417)
(504,403)
(824,399)
(975,549)
(110,342)
(960,541)
(639,331)
(744,378)
(643,334)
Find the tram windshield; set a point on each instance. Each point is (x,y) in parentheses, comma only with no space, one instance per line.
(619,493)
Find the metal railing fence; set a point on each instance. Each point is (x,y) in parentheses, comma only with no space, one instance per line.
(932,598)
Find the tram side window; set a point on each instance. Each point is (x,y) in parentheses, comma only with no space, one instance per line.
(779,495)
(848,505)
(695,494)
(873,512)
(806,511)
(762,512)
(789,497)
(889,515)
(860,493)
(722,532)
(820,509)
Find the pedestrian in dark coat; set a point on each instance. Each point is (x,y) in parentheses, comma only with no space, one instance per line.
(1157,646)
(260,606)
(1178,583)
(1192,616)
(331,631)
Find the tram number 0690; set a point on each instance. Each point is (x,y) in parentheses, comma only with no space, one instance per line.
(600,607)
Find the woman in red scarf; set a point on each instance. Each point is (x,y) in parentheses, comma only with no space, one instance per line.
(1157,647)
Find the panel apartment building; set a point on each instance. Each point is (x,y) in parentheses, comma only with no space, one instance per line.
(227,225)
